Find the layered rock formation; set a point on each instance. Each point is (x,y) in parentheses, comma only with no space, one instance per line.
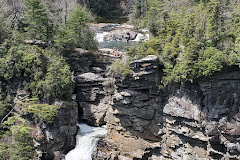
(199,120)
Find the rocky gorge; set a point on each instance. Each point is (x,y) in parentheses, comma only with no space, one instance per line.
(198,120)
(139,117)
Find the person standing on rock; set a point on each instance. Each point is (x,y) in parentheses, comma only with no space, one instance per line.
(115,51)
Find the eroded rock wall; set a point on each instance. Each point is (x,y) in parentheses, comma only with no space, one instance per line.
(54,140)
(198,120)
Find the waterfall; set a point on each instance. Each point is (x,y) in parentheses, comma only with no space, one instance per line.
(87,139)
(100,36)
(144,37)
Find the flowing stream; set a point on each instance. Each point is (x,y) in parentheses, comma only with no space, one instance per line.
(120,45)
(87,139)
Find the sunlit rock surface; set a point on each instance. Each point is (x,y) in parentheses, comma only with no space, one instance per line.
(198,120)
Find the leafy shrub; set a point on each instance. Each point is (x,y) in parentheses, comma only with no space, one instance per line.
(120,66)
(41,112)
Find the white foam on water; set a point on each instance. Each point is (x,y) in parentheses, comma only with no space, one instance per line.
(87,139)
(100,36)
(141,37)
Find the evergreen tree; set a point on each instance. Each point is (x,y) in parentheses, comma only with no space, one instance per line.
(39,26)
(77,32)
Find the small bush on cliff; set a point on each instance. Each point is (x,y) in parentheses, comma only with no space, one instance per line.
(41,112)
(121,66)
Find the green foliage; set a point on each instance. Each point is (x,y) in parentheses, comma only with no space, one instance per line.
(23,61)
(76,34)
(210,61)
(192,38)
(57,82)
(41,112)
(39,26)
(5,105)
(3,30)
(47,74)
(42,73)
(22,148)
(121,66)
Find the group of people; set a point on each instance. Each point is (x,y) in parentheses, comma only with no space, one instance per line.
(116,53)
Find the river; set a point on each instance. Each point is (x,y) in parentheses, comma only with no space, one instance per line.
(120,36)
(87,139)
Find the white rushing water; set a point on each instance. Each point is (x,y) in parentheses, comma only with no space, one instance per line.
(100,36)
(103,31)
(140,37)
(87,139)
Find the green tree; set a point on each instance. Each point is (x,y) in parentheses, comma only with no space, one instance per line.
(192,38)
(39,26)
(77,32)
(3,30)
(57,82)
(213,27)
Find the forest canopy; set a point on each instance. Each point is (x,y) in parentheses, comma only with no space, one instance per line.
(191,38)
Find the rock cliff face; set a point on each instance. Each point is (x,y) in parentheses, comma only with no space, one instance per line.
(54,140)
(199,120)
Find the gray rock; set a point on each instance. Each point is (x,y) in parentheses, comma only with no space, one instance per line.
(197,120)
(89,78)
(39,43)
(121,35)
(57,138)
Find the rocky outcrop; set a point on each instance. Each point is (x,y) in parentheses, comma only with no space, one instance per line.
(54,140)
(198,120)
(91,98)
(202,119)
(93,89)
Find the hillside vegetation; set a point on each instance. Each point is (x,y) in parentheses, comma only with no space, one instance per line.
(33,67)
(192,38)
